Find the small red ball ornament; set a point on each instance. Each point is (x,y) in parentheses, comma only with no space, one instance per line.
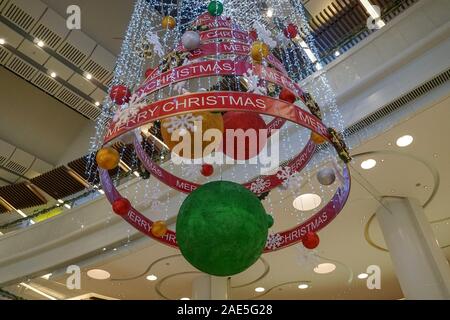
(120,94)
(253,35)
(311,240)
(207,170)
(287,96)
(148,72)
(291,31)
(121,206)
(253,144)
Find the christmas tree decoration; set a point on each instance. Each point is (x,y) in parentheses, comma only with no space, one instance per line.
(177,129)
(311,240)
(287,95)
(107,158)
(270,221)
(159,229)
(326,176)
(259,51)
(291,31)
(246,122)
(121,206)
(215,8)
(207,170)
(120,94)
(168,22)
(190,40)
(218,235)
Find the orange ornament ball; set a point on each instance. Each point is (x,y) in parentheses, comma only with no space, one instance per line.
(108,158)
(168,22)
(259,51)
(188,142)
(317,139)
(159,229)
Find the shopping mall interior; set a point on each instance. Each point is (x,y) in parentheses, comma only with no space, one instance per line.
(340,196)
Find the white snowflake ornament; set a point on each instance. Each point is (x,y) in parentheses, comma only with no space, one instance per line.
(184,123)
(259,186)
(264,35)
(274,241)
(153,39)
(253,83)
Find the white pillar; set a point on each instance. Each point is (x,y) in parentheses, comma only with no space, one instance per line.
(419,262)
(206,287)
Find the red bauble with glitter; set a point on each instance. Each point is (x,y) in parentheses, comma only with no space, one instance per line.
(121,206)
(291,31)
(311,240)
(120,94)
(287,96)
(254,140)
(207,170)
(253,35)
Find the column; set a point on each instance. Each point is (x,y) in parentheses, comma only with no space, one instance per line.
(419,262)
(206,287)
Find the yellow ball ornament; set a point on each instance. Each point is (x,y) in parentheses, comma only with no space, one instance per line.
(159,229)
(317,139)
(168,22)
(259,51)
(188,142)
(107,158)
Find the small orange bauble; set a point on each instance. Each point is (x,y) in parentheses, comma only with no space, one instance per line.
(259,51)
(168,22)
(317,139)
(107,158)
(159,229)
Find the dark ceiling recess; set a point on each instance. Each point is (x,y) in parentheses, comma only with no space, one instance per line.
(20,196)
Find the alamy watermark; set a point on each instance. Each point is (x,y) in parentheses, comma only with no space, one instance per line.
(73,21)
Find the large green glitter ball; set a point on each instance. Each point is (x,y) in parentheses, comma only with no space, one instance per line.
(215,8)
(222,228)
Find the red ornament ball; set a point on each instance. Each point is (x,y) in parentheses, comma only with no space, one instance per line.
(311,240)
(254,140)
(120,94)
(291,31)
(287,96)
(207,170)
(148,72)
(253,35)
(121,206)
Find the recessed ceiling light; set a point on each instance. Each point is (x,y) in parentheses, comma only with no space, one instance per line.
(22,213)
(307,202)
(303,286)
(270,12)
(152,277)
(98,274)
(97,104)
(60,201)
(67,206)
(89,76)
(260,289)
(337,53)
(324,268)
(101,191)
(404,141)
(46,276)
(136,174)
(53,74)
(319,66)
(185,299)
(2,41)
(368,164)
(363,276)
(40,43)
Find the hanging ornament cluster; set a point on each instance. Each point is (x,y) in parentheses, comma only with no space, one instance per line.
(222,226)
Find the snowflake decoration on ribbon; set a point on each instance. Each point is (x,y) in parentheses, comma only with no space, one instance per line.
(285,174)
(184,123)
(153,39)
(274,241)
(259,186)
(125,114)
(264,35)
(253,83)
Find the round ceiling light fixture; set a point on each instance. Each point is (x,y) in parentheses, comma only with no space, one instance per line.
(260,289)
(185,298)
(363,276)
(98,274)
(307,202)
(325,268)
(368,164)
(303,286)
(404,141)
(152,277)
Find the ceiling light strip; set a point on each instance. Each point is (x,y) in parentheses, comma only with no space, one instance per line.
(38,291)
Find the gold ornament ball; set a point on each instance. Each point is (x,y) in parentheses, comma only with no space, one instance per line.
(107,158)
(209,120)
(317,139)
(159,229)
(168,22)
(259,51)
